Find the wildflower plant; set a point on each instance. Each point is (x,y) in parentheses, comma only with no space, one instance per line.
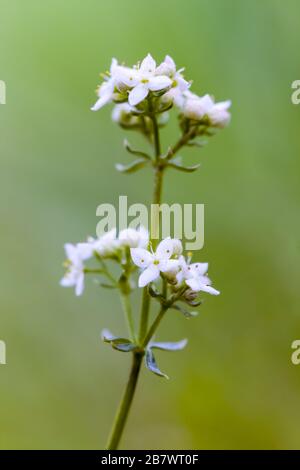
(143,95)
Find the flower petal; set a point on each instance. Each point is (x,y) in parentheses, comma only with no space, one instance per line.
(168,60)
(137,94)
(85,250)
(141,257)
(159,83)
(71,251)
(101,102)
(79,284)
(200,268)
(148,65)
(210,290)
(197,286)
(169,266)
(66,281)
(149,275)
(128,77)
(165,249)
(194,284)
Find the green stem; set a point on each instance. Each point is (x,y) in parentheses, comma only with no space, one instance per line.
(127,398)
(156,138)
(154,326)
(169,302)
(144,314)
(185,138)
(122,413)
(128,314)
(105,270)
(158,179)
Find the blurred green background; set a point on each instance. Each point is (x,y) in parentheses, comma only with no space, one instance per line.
(234,386)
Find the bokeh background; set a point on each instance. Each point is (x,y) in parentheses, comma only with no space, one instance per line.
(234,386)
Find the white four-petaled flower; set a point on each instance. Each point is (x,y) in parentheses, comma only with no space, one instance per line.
(144,79)
(74,276)
(179,84)
(153,264)
(134,238)
(195,107)
(195,276)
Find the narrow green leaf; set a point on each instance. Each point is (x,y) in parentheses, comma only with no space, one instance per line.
(138,153)
(175,163)
(151,364)
(106,286)
(170,346)
(194,303)
(132,167)
(185,312)
(121,344)
(197,143)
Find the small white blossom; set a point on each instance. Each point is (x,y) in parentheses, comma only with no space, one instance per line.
(122,114)
(113,82)
(153,264)
(195,277)
(195,107)
(143,80)
(219,114)
(107,245)
(132,238)
(74,276)
(177,246)
(106,90)
(179,84)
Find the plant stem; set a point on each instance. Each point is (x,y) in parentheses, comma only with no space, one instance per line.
(158,179)
(154,326)
(128,314)
(161,314)
(156,138)
(127,398)
(122,413)
(144,314)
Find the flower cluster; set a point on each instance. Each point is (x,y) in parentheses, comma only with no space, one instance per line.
(143,95)
(109,246)
(166,262)
(130,89)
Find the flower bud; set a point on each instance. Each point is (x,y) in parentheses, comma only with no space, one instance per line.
(122,115)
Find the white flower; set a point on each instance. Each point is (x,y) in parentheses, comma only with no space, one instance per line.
(112,82)
(195,277)
(143,80)
(74,276)
(177,246)
(196,108)
(107,245)
(132,238)
(179,84)
(122,114)
(219,114)
(153,264)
